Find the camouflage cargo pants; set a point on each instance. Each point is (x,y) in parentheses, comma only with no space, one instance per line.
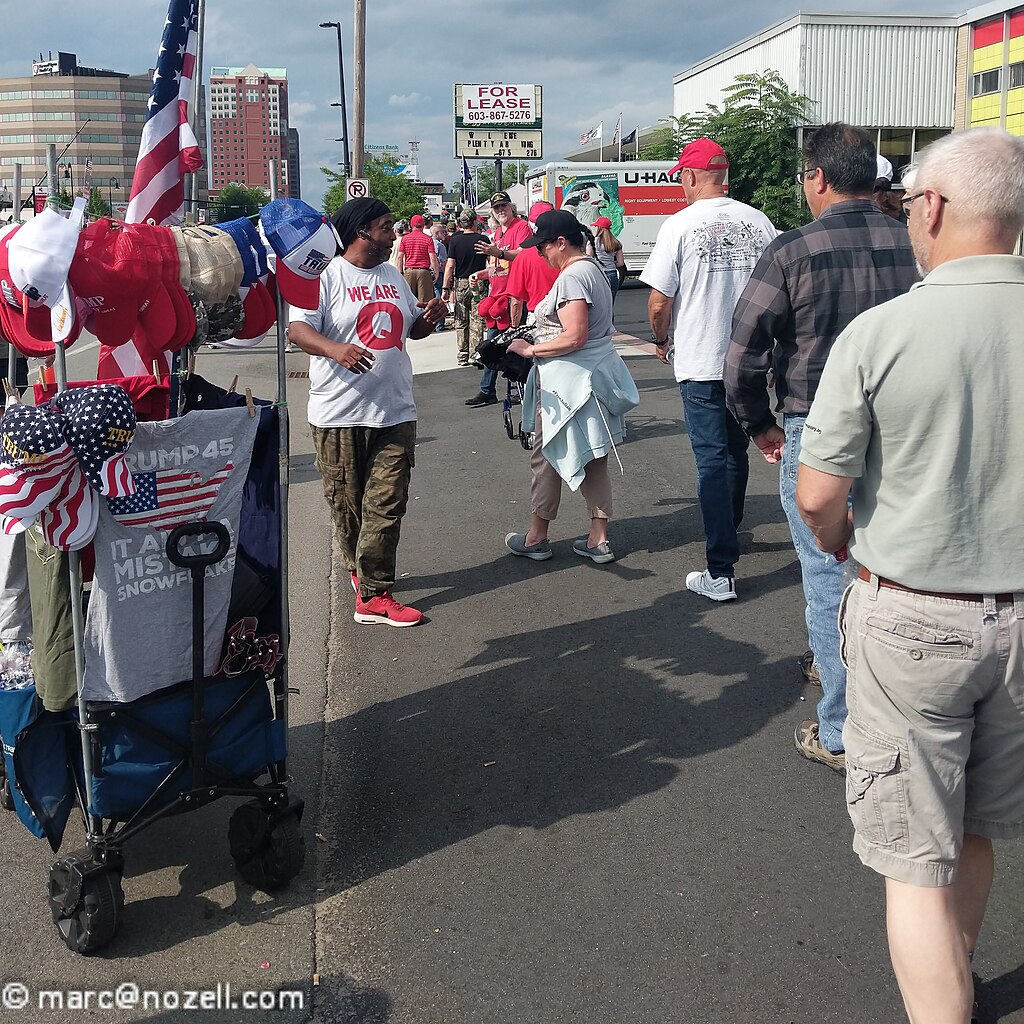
(470,325)
(365,473)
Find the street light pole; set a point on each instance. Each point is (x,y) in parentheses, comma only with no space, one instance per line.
(345,164)
(111,185)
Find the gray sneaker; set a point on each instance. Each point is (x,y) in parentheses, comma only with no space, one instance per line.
(539,552)
(716,588)
(599,553)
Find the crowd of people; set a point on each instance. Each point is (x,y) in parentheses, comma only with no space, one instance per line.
(892,340)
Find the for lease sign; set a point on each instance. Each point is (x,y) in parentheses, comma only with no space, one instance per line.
(499,104)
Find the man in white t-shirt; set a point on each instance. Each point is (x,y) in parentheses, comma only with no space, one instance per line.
(697,270)
(361,407)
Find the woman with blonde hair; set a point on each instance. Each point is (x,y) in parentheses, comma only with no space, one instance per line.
(609,254)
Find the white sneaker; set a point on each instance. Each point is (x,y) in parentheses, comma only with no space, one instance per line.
(717,588)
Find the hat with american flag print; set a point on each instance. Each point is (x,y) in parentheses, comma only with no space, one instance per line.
(35,461)
(99,423)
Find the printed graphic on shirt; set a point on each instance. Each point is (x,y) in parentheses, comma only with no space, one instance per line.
(729,245)
(166,499)
(380,323)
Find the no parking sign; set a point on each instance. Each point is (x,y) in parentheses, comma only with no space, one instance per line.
(357,188)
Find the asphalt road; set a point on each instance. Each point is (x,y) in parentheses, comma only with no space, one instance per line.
(570,796)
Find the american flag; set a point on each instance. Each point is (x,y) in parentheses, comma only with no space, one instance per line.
(594,133)
(69,522)
(34,464)
(166,498)
(168,151)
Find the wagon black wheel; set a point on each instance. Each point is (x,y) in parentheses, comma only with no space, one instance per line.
(268,853)
(509,425)
(86,908)
(6,797)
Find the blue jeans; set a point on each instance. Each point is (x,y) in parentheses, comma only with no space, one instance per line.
(613,282)
(489,378)
(824,583)
(720,451)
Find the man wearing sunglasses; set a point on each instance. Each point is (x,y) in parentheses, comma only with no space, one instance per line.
(919,409)
(806,288)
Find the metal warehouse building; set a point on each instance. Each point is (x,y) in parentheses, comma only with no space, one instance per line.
(894,75)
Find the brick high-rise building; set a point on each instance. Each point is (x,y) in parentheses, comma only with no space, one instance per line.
(248,114)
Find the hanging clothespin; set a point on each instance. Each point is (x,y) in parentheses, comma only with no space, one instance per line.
(156,370)
(234,384)
(191,364)
(249,403)
(12,395)
(42,379)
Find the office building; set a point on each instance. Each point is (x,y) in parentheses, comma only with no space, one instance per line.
(59,99)
(248,112)
(990,68)
(890,74)
(294,175)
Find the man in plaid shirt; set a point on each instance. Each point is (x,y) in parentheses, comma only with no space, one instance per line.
(807,287)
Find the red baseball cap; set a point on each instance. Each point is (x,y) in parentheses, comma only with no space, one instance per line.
(109,274)
(537,209)
(416,221)
(166,319)
(260,312)
(602,222)
(702,155)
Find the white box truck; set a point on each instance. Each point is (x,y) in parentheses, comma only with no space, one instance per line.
(636,195)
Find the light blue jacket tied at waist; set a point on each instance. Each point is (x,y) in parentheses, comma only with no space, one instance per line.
(584,397)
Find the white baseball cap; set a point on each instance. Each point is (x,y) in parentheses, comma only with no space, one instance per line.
(40,256)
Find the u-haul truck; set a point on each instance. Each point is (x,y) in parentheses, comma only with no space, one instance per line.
(637,196)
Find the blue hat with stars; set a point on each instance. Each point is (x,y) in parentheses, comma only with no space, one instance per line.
(99,424)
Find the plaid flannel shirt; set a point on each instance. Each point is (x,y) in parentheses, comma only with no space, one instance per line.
(808,286)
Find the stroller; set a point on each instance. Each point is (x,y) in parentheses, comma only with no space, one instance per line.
(515,369)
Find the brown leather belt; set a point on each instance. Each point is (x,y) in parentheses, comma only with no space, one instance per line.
(865,574)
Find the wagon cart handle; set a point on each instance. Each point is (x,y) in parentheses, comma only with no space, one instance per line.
(192,530)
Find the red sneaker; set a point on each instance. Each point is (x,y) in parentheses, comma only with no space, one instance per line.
(355,582)
(384,608)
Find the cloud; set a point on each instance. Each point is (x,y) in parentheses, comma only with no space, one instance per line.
(299,110)
(591,67)
(408,99)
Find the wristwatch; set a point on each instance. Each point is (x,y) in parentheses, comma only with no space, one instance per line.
(659,344)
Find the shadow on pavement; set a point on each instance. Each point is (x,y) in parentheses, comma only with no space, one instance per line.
(542,726)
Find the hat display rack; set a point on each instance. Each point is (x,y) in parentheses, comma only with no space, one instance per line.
(292,246)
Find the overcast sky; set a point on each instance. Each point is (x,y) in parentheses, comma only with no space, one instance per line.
(594,58)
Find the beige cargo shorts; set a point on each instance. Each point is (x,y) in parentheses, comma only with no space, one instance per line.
(935,734)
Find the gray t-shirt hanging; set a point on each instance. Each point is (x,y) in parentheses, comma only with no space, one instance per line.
(138,633)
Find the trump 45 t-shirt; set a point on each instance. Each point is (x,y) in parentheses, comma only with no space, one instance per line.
(375,309)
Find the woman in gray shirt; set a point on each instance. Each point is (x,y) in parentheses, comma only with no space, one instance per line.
(577,393)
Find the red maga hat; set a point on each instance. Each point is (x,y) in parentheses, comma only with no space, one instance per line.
(702,155)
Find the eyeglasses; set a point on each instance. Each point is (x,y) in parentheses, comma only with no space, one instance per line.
(907,200)
(806,172)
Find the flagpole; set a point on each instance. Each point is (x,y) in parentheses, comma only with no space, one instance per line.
(192,206)
(602,143)
(618,135)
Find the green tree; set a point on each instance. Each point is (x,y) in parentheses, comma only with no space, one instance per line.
(510,174)
(402,196)
(97,205)
(756,125)
(234,201)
